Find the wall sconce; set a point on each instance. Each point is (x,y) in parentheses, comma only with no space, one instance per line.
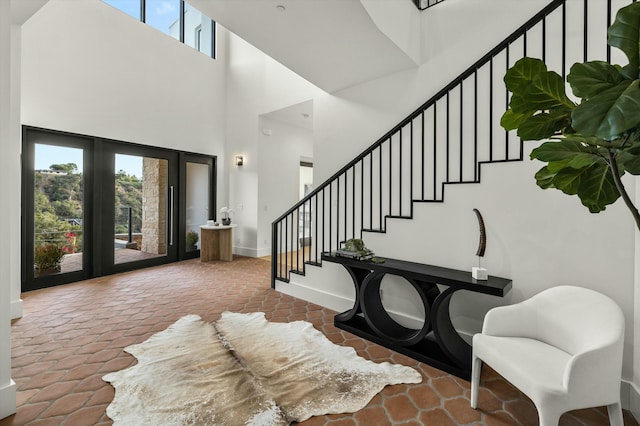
(239,160)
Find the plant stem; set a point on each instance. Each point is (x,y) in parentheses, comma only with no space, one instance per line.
(626,139)
(613,165)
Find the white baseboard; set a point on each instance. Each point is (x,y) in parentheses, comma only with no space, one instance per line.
(264,252)
(8,400)
(341,304)
(327,300)
(244,251)
(251,252)
(16,309)
(630,398)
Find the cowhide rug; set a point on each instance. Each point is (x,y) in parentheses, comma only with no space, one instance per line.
(244,370)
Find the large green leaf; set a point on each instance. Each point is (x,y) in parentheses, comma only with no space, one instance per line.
(543,125)
(569,162)
(511,121)
(610,113)
(555,166)
(594,185)
(547,91)
(520,105)
(564,150)
(544,178)
(629,159)
(568,179)
(624,34)
(632,165)
(597,188)
(591,78)
(522,73)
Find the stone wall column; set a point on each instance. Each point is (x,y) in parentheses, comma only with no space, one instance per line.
(154,205)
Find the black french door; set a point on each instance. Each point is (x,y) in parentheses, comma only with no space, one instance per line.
(138,207)
(94,207)
(57,225)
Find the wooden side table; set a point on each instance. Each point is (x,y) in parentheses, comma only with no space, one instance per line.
(216,242)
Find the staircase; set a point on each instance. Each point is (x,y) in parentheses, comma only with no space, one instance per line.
(447,140)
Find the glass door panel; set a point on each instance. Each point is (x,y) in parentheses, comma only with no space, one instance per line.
(197,198)
(197,203)
(141,209)
(58,213)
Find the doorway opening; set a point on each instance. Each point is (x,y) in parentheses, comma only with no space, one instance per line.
(306,186)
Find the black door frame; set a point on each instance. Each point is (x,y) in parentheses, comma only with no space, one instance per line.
(30,137)
(201,159)
(103,249)
(98,205)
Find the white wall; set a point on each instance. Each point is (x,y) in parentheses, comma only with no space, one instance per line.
(400,21)
(91,69)
(256,85)
(13,192)
(634,402)
(10,157)
(279,184)
(245,94)
(537,238)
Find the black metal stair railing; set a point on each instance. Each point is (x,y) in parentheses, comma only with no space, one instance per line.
(425,4)
(445,141)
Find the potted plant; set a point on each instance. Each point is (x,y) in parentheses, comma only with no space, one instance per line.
(70,246)
(588,144)
(192,239)
(225,213)
(47,259)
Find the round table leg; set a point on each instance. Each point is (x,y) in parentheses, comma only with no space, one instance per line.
(379,320)
(358,275)
(445,334)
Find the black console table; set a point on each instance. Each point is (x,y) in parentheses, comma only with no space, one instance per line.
(437,343)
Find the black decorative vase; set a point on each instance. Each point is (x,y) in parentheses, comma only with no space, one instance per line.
(226,221)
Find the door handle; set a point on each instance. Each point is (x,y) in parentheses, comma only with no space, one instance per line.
(171,215)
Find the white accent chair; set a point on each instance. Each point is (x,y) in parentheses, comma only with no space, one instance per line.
(562,348)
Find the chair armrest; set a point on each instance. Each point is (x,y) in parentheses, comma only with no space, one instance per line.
(517,320)
(594,375)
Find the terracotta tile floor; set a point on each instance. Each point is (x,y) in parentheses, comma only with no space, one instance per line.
(70,336)
(73,262)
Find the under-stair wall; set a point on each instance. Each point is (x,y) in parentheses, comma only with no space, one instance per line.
(411,194)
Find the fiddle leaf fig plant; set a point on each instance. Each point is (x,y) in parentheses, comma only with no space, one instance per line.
(589,144)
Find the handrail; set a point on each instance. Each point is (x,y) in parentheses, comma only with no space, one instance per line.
(465,74)
(426,4)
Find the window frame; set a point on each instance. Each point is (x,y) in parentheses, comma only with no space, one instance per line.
(181,35)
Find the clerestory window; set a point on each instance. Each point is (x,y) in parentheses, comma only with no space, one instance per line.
(176,18)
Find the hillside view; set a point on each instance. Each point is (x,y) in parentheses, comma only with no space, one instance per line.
(59,214)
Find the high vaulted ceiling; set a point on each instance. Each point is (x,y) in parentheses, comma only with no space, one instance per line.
(22,10)
(334,44)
